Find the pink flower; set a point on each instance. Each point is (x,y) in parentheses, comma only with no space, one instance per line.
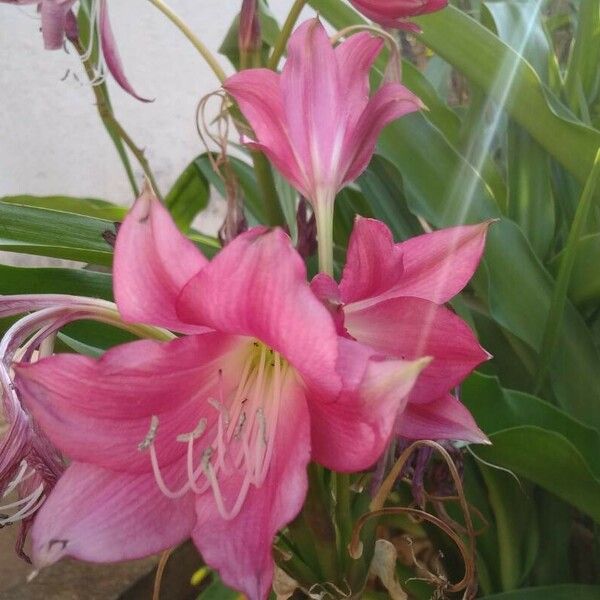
(391,298)
(209,434)
(393,13)
(58,22)
(315,121)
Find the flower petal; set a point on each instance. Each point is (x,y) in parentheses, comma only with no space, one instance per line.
(313,103)
(54,22)
(444,418)
(153,261)
(351,433)
(97,515)
(99,411)
(408,328)
(389,103)
(256,286)
(240,548)
(111,53)
(355,58)
(373,262)
(258,94)
(438,265)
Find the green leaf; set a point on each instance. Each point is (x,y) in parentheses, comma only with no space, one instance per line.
(188,196)
(512,82)
(553,592)
(78,282)
(90,207)
(217,590)
(517,531)
(32,230)
(381,184)
(584,285)
(537,441)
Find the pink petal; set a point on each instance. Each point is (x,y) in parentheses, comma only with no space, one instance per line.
(355,58)
(444,418)
(240,548)
(373,262)
(54,22)
(438,265)
(111,53)
(98,515)
(153,261)
(256,286)
(391,13)
(327,291)
(313,104)
(409,328)
(389,103)
(351,433)
(258,94)
(99,411)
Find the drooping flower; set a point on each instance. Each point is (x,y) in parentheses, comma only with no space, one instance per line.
(394,13)
(391,298)
(209,434)
(59,22)
(315,121)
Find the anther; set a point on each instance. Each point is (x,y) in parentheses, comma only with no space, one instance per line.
(195,434)
(150,436)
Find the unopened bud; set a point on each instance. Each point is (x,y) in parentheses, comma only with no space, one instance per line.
(249,37)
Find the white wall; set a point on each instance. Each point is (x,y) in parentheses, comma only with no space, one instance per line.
(51,140)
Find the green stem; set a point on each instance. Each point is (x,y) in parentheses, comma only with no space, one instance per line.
(197,43)
(103,105)
(284,34)
(116,130)
(559,297)
(324,215)
(343,516)
(266,183)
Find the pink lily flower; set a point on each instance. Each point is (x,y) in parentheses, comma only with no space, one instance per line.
(315,120)
(393,13)
(209,434)
(391,298)
(59,21)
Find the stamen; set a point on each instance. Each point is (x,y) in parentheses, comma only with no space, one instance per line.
(195,434)
(150,436)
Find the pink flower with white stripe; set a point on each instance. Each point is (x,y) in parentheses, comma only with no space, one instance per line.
(315,121)
(391,298)
(211,433)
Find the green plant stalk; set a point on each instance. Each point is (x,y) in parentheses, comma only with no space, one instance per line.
(285,33)
(266,183)
(559,297)
(116,130)
(196,42)
(102,100)
(343,517)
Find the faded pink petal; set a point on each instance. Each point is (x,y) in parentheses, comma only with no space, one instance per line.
(241,547)
(444,418)
(153,261)
(409,328)
(373,262)
(256,286)
(111,53)
(99,411)
(438,265)
(54,22)
(98,515)
(351,433)
(389,103)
